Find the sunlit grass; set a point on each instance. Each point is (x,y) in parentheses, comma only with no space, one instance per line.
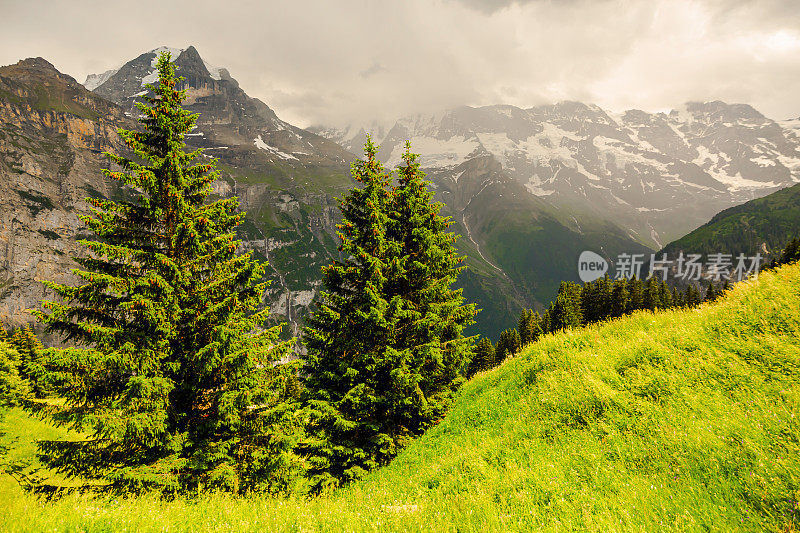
(676,421)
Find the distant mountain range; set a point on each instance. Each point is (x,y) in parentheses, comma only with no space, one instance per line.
(658,175)
(528,190)
(763,225)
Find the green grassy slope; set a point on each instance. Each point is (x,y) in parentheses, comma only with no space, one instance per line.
(676,421)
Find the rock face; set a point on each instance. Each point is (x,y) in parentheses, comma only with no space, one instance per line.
(657,175)
(51,134)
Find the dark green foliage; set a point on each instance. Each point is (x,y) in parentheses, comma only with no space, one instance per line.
(13,387)
(665,295)
(529,326)
(652,294)
(30,365)
(385,344)
(789,254)
(636,295)
(711,292)
(620,298)
(508,344)
(172,380)
(678,298)
(566,311)
(693,296)
(483,357)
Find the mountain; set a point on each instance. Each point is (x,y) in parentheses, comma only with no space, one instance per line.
(763,225)
(299,171)
(658,175)
(52,131)
(352,136)
(518,246)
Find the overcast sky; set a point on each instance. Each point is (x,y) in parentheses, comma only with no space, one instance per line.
(325,62)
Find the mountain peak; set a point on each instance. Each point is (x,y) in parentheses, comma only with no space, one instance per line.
(36,68)
(38,63)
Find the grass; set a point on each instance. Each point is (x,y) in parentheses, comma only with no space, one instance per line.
(675,421)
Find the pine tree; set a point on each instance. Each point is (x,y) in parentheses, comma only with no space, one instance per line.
(30,350)
(652,294)
(13,387)
(434,314)
(677,298)
(636,295)
(620,298)
(483,357)
(693,296)
(547,323)
(665,295)
(711,293)
(566,311)
(529,326)
(385,344)
(508,344)
(172,380)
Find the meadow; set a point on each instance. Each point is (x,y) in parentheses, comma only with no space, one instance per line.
(681,420)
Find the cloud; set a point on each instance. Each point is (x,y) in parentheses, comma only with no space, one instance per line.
(332,63)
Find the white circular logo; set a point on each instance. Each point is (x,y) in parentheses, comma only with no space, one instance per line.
(591,266)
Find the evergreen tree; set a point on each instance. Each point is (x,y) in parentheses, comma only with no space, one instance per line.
(546,322)
(678,299)
(566,311)
(636,295)
(711,292)
(385,344)
(522,326)
(13,387)
(508,344)
(665,295)
(529,326)
(789,254)
(620,298)
(693,296)
(434,314)
(30,351)
(172,381)
(483,357)
(652,294)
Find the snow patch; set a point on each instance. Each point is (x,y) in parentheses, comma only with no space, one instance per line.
(93,81)
(259,142)
(435,153)
(763,161)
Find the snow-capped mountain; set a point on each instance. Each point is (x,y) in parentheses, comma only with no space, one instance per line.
(658,175)
(351,137)
(285,177)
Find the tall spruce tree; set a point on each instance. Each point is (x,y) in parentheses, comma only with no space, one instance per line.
(172,380)
(385,344)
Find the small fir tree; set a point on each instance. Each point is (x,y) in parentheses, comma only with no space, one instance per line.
(620,298)
(566,311)
(483,357)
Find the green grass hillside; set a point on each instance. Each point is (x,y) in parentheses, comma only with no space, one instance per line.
(676,421)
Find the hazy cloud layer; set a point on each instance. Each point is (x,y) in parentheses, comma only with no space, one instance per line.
(332,62)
